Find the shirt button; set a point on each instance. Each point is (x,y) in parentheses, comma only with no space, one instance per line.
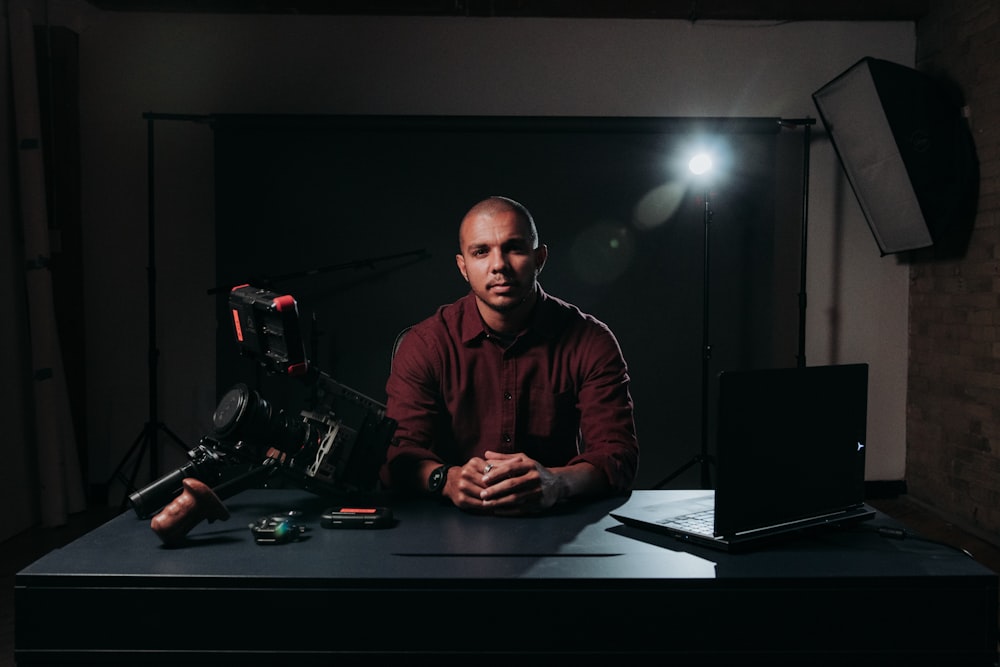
(507,396)
(505,437)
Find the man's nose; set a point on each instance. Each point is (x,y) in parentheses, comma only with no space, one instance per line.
(498,262)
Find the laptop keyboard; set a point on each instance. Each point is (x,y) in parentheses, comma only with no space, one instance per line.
(702,522)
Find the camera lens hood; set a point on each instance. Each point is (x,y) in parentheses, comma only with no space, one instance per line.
(233,409)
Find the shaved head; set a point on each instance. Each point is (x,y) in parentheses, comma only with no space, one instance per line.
(498,204)
(500,257)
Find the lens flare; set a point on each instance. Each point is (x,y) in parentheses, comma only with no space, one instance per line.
(602,252)
(658,205)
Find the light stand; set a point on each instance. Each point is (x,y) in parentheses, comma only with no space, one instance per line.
(703,459)
(146,441)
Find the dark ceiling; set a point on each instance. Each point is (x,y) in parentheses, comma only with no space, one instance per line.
(691,10)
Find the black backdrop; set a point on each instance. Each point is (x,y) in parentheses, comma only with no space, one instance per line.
(357,218)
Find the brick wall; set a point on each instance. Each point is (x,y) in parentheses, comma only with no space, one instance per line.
(953,406)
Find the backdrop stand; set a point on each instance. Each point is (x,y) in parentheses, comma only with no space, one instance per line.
(806,124)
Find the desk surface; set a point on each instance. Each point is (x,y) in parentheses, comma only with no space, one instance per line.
(922,600)
(431,540)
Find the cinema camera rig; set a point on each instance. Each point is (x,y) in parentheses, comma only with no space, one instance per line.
(335,445)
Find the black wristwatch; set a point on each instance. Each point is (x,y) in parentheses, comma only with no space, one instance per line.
(437,479)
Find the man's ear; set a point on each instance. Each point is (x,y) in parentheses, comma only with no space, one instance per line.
(541,254)
(460,261)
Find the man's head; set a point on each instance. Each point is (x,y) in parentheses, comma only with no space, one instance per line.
(500,257)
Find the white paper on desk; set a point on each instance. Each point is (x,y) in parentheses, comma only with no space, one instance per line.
(610,555)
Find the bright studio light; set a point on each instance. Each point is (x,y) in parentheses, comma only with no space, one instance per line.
(700,164)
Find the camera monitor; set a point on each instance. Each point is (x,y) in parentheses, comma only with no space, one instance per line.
(267,329)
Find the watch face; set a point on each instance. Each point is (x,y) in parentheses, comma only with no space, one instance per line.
(437,479)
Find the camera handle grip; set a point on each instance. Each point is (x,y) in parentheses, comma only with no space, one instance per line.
(195,503)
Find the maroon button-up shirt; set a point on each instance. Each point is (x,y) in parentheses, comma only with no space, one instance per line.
(559,393)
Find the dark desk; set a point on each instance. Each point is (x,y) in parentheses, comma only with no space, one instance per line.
(500,590)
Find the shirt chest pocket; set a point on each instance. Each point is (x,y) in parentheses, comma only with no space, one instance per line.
(551,416)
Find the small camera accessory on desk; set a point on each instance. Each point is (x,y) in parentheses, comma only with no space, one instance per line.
(356,517)
(277,528)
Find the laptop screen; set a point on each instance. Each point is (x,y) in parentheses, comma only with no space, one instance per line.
(790,444)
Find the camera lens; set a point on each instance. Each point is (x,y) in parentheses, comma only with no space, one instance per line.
(243,414)
(232,409)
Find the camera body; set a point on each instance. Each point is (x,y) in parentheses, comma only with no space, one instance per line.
(336,443)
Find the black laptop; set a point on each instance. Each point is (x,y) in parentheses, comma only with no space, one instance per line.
(790,455)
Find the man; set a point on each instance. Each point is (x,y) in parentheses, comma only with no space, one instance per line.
(509,400)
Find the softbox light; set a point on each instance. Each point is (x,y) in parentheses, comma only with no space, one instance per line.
(907,151)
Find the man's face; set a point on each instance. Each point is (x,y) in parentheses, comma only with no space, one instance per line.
(498,260)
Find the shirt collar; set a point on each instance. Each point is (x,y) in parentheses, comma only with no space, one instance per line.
(472,328)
